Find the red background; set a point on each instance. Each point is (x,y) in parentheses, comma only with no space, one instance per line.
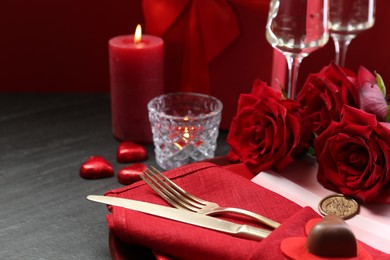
(61,46)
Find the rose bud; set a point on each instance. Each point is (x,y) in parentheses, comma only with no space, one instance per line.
(372,95)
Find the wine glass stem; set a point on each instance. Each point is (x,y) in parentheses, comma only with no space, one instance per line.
(341,47)
(293,62)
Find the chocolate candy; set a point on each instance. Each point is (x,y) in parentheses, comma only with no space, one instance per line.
(96,167)
(131,152)
(332,237)
(131,173)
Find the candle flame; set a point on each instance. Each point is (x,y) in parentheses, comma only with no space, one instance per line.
(138,34)
(186,133)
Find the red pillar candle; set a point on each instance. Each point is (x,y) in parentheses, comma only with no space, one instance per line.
(136,76)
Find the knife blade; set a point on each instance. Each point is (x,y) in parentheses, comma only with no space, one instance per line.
(238,230)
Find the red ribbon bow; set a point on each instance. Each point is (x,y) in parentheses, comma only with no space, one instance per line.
(212,27)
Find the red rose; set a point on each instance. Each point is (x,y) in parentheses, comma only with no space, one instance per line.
(354,156)
(266,131)
(324,94)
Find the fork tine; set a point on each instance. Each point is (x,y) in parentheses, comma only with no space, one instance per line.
(169,194)
(173,191)
(176,187)
(165,197)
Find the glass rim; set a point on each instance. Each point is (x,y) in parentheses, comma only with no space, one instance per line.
(213,113)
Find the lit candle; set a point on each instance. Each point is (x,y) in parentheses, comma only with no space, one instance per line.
(187,134)
(136,76)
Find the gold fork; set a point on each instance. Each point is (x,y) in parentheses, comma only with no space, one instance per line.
(179,198)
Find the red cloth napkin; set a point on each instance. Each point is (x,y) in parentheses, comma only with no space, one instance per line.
(214,183)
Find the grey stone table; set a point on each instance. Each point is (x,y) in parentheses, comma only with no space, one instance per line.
(44,139)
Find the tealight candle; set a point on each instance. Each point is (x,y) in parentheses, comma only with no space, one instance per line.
(136,76)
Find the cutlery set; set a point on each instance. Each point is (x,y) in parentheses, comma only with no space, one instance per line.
(179,198)
(189,209)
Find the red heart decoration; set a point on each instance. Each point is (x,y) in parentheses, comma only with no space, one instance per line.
(131,152)
(131,173)
(96,167)
(297,247)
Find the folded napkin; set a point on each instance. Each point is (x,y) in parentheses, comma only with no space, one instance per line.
(183,241)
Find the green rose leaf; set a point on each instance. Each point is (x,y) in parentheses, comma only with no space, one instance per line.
(388,114)
(380,83)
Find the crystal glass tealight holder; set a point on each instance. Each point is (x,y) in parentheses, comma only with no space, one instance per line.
(185,127)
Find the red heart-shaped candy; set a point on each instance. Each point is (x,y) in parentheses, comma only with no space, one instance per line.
(131,152)
(96,167)
(131,173)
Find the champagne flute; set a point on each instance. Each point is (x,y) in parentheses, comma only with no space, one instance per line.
(347,18)
(296,28)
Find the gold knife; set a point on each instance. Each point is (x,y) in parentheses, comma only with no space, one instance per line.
(238,230)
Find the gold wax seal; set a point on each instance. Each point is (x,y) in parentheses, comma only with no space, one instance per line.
(339,205)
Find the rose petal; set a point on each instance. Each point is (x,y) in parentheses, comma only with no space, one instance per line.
(364,75)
